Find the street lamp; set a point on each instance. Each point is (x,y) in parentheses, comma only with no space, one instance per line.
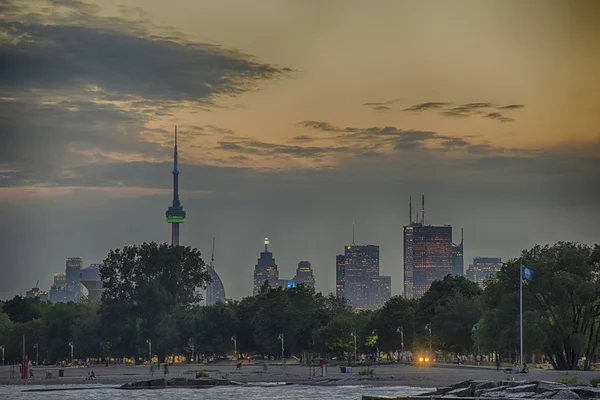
(375,332)
(354,335)
(401,331)
(476,328)
(282,353)
(234,339)
(2,348)
(428,328)
(149,341)
(37,354)
(71,346)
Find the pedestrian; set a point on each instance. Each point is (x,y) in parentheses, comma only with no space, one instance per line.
(151,369)
(166,369)
(497,362)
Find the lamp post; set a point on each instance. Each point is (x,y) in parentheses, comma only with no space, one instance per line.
(476,328)
(71,346)
(355,356)
(2,348)
(428,328)
(282,353)
(401,330)
(149,341)
(37,354)
(234,339)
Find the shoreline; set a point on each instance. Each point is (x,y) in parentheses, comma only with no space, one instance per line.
(392,375)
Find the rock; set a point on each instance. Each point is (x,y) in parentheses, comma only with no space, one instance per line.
(566,394)
(487,385)
(545,395)
(586,392)
(518,383)
(522,395)
(443,390)
(522,388)
(177,382)
(495,394)
(545,386)
(461,385)
(461,392)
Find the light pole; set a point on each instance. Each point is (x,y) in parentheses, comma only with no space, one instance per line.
(71,346)
(2,348)
(37,354)
(355,356)
(282,353)
(234,338)
(401,330)
(476,328)
(149,341)
(428,328)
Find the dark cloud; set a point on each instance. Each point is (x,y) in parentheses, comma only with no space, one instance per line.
(455,142)
(265,149)
(498,116)
(76,5)
(382,108)
(427,106)
(466,110)
(303,139)
(321,126)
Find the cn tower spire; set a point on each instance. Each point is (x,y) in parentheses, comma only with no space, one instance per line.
(175,214)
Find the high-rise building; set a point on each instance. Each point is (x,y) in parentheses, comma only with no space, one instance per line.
(90,278)
(427,255)
(265,270)
(381,291)
(304,275)
(36,293)
(482,268)
(175,213)
(360,267)
(340,265)
(458,264)
(215,291)
(73,278)
(58,290)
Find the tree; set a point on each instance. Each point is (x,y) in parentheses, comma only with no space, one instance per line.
(396,313)
(143,285)
(561,304)
(22,309)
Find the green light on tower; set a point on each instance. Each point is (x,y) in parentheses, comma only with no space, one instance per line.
(266,241)
(175,219)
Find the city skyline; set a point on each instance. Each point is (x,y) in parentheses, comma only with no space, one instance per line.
(292,123)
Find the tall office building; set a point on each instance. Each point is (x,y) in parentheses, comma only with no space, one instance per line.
(265,270)
(73,278)
(58,290)
(90,278)
(340,266)
(427,254)
(381,291)
(175,213)
(36,293)
(482,268)
(360,267)
(458,264)
(215,291)
(304,275)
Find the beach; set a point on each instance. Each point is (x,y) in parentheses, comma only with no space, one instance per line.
(292,373)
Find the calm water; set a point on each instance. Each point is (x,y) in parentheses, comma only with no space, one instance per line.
(247,393)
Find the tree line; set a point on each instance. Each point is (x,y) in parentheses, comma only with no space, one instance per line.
(151,296)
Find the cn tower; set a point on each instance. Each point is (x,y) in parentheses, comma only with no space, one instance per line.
(175,213)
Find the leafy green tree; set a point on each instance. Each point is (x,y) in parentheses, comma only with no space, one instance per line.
(22,309)
(564,297)
(397,313)
(143,286)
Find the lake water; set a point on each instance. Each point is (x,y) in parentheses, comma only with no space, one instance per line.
(292,392)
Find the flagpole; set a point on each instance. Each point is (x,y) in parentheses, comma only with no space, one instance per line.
(521,311)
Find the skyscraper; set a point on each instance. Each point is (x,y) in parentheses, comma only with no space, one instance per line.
(458,264)
(215,291)
(482,268)
(340,266)
(381,291)
(360,267)
(427,255)
(304,275)
(175,213)
(73,278)
(58,290)
(90,278)
(265,270)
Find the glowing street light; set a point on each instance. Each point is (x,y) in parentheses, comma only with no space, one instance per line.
(71,346)
(149,341)
(234,339)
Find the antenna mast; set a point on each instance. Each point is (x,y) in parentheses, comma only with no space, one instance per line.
(352,233)
(410,221)
(423,210)
(212,257)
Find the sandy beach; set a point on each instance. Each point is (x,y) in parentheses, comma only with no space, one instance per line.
(385,375)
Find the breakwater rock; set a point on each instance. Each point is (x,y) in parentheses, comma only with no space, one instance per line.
(161,383)
(472,389)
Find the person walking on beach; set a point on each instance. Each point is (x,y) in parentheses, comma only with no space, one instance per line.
(151,369)
(497,362)
(166,369)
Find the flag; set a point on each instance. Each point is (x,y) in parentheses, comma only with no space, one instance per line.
(527,273)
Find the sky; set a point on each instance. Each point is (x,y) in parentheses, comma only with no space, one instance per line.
(295,119)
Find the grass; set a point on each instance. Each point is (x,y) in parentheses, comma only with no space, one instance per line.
(201,374)
(566,379)
(367,372)
(595,382)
